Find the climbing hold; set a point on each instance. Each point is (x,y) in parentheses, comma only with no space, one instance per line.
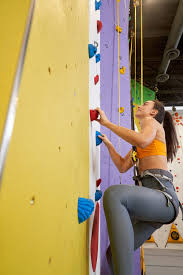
(176,114)
(98,182)
(98,140)
(96,79)
(92,50)
(94,238)
(85,209)
(121,110)
(97,4)
(97,57)
(130,18)
(122,70)
(98,195)
(118,29)
(93,115)
(99,26)
(133,106)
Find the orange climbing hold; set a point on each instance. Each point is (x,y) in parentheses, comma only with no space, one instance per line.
(94,238)
(176,114)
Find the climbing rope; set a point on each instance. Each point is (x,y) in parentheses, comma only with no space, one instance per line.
(118,69)
(141,56)
(135,48)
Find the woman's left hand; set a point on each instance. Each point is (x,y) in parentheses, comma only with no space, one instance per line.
(103,120)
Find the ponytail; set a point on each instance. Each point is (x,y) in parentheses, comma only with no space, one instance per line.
(170,132)
(171,136)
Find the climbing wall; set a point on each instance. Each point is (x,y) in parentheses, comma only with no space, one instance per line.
(162,237)
(11,33)
(47,166)
(110,103)
(94,151)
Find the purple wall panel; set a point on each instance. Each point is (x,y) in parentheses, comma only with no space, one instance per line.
(109,103)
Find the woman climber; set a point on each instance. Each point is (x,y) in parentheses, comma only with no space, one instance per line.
(134,212)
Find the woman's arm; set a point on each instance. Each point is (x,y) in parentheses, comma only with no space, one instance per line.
(116,158)
(142,139)
(122,164)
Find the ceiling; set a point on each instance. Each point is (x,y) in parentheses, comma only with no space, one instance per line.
(158,18)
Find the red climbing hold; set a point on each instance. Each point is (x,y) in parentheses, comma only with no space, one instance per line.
(94,238)
(178,146)
(98,182)
(177,120)
(99,26)
(93,115)
(178,158)
(96,79)
(176,114)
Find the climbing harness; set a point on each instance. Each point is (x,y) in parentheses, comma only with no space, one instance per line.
(162,174)
(135,160)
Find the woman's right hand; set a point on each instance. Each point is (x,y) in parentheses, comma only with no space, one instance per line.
(105,140)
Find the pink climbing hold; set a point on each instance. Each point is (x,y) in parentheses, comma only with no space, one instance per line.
(94,238)
(96,79)
(99,26)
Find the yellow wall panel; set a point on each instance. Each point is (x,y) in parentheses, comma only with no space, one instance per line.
(13,15)
(48,158)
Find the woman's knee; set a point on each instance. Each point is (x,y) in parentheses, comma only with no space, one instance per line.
(108,195)
(114,192)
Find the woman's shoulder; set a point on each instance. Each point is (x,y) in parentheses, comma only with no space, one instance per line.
(160,134)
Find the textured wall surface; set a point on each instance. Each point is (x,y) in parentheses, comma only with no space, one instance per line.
(109,103)
(11,32)
(47,166)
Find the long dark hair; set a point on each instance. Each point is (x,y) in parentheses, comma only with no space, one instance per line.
(168,125)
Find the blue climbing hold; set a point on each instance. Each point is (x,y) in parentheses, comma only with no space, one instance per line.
(97,4)
(85,209)
(98,195)
(97,57)
(98,140)
(91,50)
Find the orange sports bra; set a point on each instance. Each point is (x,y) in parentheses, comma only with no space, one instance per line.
(157,147)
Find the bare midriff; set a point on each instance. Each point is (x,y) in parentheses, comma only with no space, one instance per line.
(152,162)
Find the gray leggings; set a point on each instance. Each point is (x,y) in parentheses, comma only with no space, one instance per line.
(133,213)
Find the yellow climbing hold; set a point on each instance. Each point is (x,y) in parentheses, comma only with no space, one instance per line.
(121,110)
(118,29)
(122,70)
